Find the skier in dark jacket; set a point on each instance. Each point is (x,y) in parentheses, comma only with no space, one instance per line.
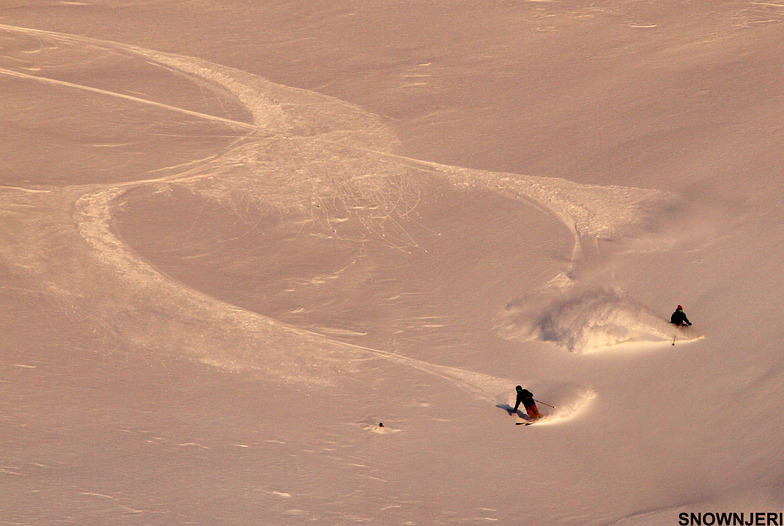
(525,397)
(679,317)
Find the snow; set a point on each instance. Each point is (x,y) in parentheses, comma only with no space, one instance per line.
(285,262)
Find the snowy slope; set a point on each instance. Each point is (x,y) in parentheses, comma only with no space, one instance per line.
(239,237)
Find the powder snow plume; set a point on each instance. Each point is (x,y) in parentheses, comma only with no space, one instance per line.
(582,319)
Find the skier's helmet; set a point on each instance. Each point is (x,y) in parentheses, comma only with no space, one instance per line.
(680,307)
(519,388)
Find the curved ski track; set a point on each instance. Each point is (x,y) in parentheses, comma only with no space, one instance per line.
(589,212)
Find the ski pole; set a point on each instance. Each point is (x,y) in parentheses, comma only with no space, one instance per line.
(548,405)
(673,338)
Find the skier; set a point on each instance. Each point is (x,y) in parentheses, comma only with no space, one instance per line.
(525,397)
(679,317)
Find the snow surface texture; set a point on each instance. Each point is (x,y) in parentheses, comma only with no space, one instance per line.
(339,152)
(334,150)
(159,208)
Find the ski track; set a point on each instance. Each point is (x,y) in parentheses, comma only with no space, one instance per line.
(27,76)
(319,139)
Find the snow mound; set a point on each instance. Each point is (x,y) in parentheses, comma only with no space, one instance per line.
(584,320)
(380,429)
